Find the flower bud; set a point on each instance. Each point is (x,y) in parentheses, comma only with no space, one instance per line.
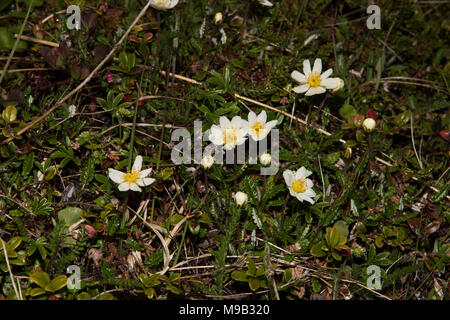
(348,153)
(265,159)
(358,120)
(241,198)
(218,18)
(340,83)
(207,162)
(369,124)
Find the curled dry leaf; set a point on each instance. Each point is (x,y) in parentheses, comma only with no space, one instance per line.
(96,256)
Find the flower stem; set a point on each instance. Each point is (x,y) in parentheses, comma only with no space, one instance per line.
(283,211)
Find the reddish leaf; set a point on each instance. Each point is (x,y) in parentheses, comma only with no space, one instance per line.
(445,134)
(371,114)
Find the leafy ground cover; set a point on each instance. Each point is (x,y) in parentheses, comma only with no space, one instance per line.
(86,113)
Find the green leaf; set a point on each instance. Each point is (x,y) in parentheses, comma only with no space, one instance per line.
(342,228)
(332,237)
(84,296)
(239,275)
(70,215)
(347,111)
(9,114)
(56,284)
(253,283)
(13,243)
(317,251)
(27,164)
(87,172)
(149,292)
(37,292)
(40,278)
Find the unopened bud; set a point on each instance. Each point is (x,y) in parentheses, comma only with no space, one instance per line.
(340,83)
(218,18)
(207,162)
(241,198)
(369,124)
(265,159)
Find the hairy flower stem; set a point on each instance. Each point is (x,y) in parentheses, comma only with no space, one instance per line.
(244,22)
(283,213)
(320,107)
(370,157)
(264,186)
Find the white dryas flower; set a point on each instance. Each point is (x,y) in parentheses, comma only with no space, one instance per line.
(207,161)
(163,4)
(313,82)
(265,3)
(265,159)
(229,133)
(132,180)
(241,198)
(298,184)
(258,129)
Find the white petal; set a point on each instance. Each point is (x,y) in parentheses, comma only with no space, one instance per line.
(270,125)
(300,174)
(307,173)
(251,117)
(316,90)
(299,77)
(124,186)
(116,176)
(289,177)
(317,65)
(306,68)
(306,198)
(309,183)
(309,193)
(148,181)
(301,89)
(145,173)
(329,83)
(262,117)
(137,166)
(135,187)
(326,74)
(224,122)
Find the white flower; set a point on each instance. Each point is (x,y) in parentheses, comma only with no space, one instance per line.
(229,133)
(265,159)
(265,3)
(340,85)
(241,198)
(207,161)
(132,180)
(313,82)
(369,124)
(258,129)
(298,184)
(163,4)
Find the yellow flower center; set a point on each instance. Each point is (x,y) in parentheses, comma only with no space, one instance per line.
(161,3)
(131,176)
(230,136)
(299,186)
(314,80)
(257,127)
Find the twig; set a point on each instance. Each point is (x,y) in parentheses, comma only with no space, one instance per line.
(10,271)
